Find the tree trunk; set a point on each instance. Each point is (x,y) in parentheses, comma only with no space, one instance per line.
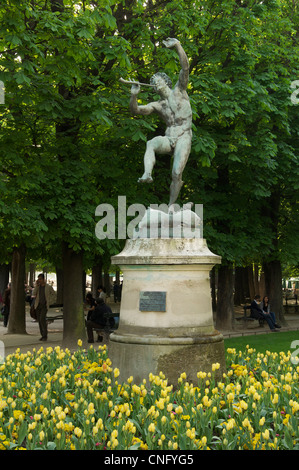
(272,264)
(73,315)
(213,288)
(83,285)
(256,278)
(262,285)
(252,291)
(273,281)
(32,274)
(107,284)
(4,277)
(239,297)
(97,277)
(225,298)
(17,319)
(246,284)
(59,285)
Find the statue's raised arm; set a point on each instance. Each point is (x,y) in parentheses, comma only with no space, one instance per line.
(184,73)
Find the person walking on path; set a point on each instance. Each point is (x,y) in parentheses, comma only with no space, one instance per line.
(43,294)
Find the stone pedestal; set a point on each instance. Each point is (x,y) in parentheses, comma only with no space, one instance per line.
(166,318)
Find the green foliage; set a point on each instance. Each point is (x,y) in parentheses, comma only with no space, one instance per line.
(68,142)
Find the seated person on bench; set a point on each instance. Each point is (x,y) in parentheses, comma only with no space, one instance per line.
(98,319)
(257,312)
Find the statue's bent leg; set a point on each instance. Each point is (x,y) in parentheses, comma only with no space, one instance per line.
(156,145)
(180,157)
(175,188)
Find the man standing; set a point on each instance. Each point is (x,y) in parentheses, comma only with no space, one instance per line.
(175,109)
(44,296)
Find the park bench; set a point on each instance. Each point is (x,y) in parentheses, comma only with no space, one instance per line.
(290,296)
(248,318)
(52,318)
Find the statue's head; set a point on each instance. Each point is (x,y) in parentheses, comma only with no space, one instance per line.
(159,79)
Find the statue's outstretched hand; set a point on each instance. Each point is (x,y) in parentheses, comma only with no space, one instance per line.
(135,89)
(170,42)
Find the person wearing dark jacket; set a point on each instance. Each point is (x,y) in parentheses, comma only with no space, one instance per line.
(44,296)
(98,319)
(6,304)
(257,312)
(90,304)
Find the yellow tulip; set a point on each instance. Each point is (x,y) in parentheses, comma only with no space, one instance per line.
(152,428)
(78,432)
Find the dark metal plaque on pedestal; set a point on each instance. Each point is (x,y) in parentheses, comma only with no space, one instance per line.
(152,301)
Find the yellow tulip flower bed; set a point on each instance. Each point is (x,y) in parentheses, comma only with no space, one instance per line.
(57,399)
